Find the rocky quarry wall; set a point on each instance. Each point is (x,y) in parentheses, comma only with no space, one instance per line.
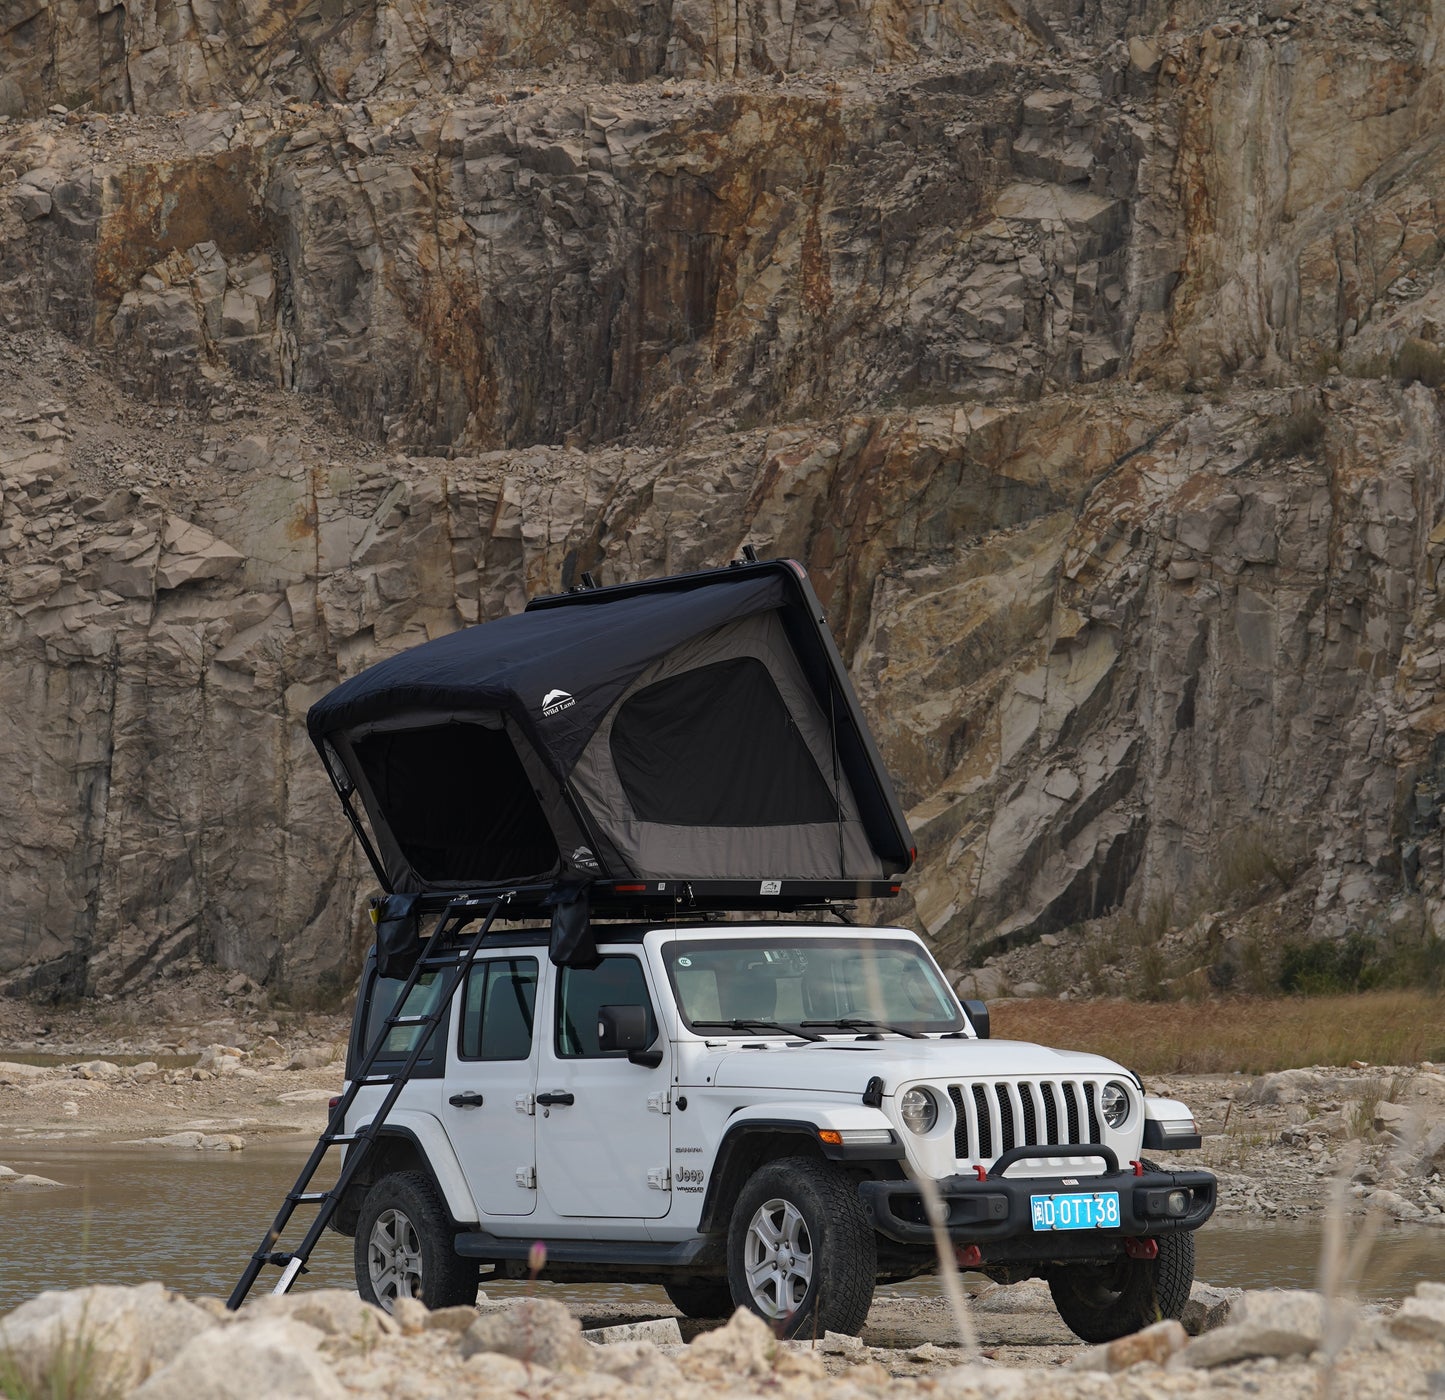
(1086,354)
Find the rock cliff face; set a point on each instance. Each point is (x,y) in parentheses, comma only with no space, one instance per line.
(1087,355)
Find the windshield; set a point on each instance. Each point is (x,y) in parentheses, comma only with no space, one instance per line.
(845,984)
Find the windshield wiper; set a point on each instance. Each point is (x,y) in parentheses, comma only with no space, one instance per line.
(862,1023)
(746,1024)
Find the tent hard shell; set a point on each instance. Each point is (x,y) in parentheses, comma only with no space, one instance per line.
(683,741)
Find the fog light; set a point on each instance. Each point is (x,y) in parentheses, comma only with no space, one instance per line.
(919,1110)
(1176,1202)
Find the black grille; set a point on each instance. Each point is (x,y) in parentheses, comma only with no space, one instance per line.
(1094,1133)
(1030,1114)
(985,1130)
(1005,1118)
(1051,1113)
(1071,1106)
(960,1122)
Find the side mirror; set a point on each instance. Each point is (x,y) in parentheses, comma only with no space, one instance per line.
(625,1028)
(978,1015)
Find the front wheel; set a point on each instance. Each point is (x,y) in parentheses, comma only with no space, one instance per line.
(801,1253)
(404,1246)
(1099,1302)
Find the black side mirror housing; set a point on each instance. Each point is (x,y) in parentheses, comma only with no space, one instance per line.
(625,1028)
(978,1015)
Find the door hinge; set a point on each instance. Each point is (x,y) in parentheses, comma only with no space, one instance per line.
(526,1103)
(527,1178)
(659,1178)
(660,1102)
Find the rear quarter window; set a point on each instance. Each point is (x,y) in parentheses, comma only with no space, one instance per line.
(377,1001)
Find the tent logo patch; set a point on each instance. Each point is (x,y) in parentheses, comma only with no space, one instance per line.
(555,701)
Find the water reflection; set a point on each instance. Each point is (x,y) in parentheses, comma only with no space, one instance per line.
(191,1220)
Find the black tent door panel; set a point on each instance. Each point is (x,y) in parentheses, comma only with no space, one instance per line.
(717,747)
(458,803)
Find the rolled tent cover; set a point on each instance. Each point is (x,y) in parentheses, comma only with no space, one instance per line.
(700,728)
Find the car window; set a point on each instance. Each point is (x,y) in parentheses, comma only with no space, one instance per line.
(497,1011)
(616,981)
(419,1002)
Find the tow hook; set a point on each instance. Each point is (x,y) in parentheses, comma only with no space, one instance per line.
(970,1256)
(1137,1248)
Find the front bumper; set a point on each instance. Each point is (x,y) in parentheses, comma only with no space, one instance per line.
(995,1211)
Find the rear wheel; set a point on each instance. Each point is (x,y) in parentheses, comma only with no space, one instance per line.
(801,1253)
(701,1297)
(404,1246)
(1099,1302)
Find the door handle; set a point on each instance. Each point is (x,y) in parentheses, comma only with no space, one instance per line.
(557,1099)
(467,1100)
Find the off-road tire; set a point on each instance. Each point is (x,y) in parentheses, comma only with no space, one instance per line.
(1099,1302)
(403,1222)
(826,1220)
(701,1297)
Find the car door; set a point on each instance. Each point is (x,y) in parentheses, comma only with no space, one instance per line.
(603,1140)
(492,1067)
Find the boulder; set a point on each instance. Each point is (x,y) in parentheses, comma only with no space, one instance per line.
(743,1346)
(663,1331)
(129,1333)
(1285,1086)
(1422,1318)
(271,1356)
(1151,1346)
(1270,1322)
(641,1365)
(338,1314)
(1207,1308)
(536,1330)
(11,1180)
(1432,1152)
(102,1070)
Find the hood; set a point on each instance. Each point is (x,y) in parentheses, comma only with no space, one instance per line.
(836,1066)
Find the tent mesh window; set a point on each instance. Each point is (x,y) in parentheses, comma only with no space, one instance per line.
(459,803)
(717,747)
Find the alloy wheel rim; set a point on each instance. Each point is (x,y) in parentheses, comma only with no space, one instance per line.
(393,1258)
(778,1258)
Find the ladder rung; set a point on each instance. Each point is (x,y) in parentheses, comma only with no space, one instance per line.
(408,1020)
(309,1198)
(343,1139)
(376,1079)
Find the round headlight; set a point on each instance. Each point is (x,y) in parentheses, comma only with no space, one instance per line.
(1114,1104)
(919,1110)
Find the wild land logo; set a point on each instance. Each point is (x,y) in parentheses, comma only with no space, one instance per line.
(583,856)
(555,701)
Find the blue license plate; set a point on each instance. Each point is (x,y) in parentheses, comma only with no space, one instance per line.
(1076,1210)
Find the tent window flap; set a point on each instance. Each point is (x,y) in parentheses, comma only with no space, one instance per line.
(458,801)
(717,747)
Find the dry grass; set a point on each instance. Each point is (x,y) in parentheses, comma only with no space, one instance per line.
(1252,1034)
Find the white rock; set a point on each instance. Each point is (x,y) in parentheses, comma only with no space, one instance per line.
(129,1331)
(1422,1318)
(271,1357)
(1270,1322)
(663,1331)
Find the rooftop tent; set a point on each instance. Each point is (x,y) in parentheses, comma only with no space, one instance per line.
(691,739)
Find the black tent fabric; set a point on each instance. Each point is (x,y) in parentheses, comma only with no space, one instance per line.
(655,735)
(556,672)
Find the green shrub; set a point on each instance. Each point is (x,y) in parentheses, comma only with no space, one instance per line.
(1294,435)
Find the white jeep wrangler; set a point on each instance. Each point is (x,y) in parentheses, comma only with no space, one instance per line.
(741,1113)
